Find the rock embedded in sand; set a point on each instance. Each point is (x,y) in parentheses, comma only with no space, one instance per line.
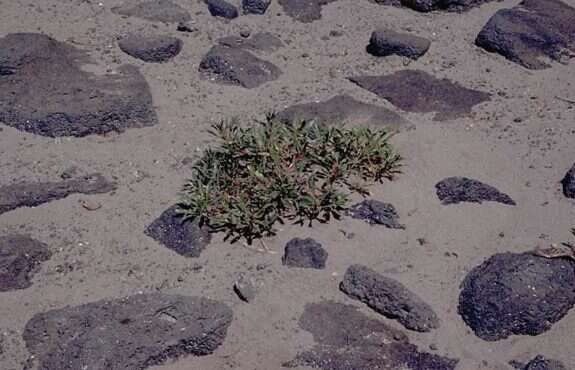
(531,32)
(417,91)
(20,258)
(244,289)
(184,237)
(304,253)
(388,297)
(433,5)
(541,363)
(255,6)
(221,8)
(568,183)
(152,49)
(153,10)
(263,42)
(519,294)
(305,11)
(32,194)
(453,190)
(385,42)
(344,109)
(136,332)
(376,213)
(347,339)
(234,66)
(48,93)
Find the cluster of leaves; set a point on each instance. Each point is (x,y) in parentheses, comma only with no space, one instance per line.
(273,171)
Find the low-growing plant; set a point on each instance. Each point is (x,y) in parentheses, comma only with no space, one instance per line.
(272,172)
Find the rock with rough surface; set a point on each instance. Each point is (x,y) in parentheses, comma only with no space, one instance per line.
(568,183)
(151,49)
(20,258)
(32,194)
(517,294)
(255,6)
(531,32)
(263,42)
(305,11)
(453,190)
(435,5)
(221,8)
(384,42)
(389,297)
(136,332)
(184,237)
(376,213)
(541,363)
(153,10)
(304,253)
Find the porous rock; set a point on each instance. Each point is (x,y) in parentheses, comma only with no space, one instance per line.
(458,189)
(20,258)
(385,42)
(255,6)
(223,9)
(376,213)
(304,253)
(568,183)
(305,11)
(152,49)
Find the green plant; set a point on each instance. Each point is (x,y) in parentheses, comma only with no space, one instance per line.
(272,172)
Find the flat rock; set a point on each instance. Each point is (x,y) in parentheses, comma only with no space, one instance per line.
(136,332)
(419,92)
(260,42)
(344,109)
(453,190)
(376,213)
(235,66)
(304,253)
(568,183)
(32,194)
(541,363)
(531,33)
(153,10)
(221,8)
(347,339)
(47,93)
(385,42)
(20,258)
(435,5)
(186,238)
(255,6)
(519,294)
(152,49)
(305,11)
(388,297)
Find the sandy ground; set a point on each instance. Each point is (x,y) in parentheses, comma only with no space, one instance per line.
(519,142)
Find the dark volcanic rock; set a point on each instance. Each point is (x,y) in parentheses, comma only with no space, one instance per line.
(136,332)
(417,91)
(221,8)
(448,5)
(453,190)
(520,294)
(384,42)
(235,66)
(532,30)
(20,257)
(153,49)
(306,253)
(255,6)
(153,10)
(344,109)
(183,237)
(347,339)
(47,93)
(376,213)
(568,183)
(541,363)
(33,194)
(260,42)
(305,11)
(389,298)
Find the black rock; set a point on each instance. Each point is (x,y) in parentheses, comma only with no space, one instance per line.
(20,258)
(344,109)
(388,297)
(417,91)
(433,5)
(35,193)
(305,11)
(259,42)
(153,10)
(347,339)
(67,100)
(541,363)
(453,190)
(184,237)
(568,183)
(305,253)
(221,8)
(255,6)
(152,49)
(235,66)
(384,42)
(519,294)
(136,332)
(186,27)
(376,213)
(532,30)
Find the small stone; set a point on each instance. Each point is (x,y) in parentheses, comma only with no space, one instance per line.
(541,363)
(304,253)
(384,42)
(568,183)
(151,49)
(90,205)
(255,6)
(376,213)
(221,8)
(153,10)
(245,289)
(186,27)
